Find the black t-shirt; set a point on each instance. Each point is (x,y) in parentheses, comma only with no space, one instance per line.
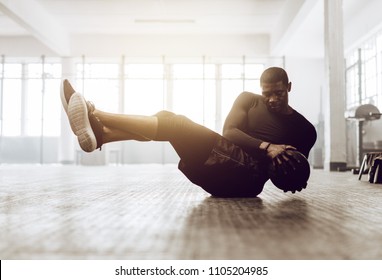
(263,125)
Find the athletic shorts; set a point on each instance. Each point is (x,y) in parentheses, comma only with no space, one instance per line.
(228,171)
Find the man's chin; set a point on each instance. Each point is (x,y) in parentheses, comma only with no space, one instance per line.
(274,109)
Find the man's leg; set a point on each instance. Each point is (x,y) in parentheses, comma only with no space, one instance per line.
(119,127)
(192,142)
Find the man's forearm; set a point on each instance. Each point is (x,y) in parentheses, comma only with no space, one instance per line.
(242,139)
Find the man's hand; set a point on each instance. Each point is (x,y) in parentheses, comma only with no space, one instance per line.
(289,169)
(280,156)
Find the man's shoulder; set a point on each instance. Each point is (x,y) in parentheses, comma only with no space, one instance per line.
(300,116)
(250,97)
(303,120)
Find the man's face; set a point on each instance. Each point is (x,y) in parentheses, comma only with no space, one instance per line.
(276,96)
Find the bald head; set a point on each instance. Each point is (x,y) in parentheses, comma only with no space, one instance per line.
(274,75)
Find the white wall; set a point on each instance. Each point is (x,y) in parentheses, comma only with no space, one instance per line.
(362,22)
(145,45)
(23,47)
(171,45)
(307,77)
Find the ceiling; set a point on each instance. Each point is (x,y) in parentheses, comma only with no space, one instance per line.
(54,21)
(151,16)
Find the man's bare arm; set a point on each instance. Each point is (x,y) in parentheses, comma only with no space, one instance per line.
(236,123)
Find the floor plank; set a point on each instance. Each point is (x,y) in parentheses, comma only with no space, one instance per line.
(154,212)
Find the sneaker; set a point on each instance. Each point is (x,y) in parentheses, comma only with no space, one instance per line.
(66,93)
(85,125)
(96,124)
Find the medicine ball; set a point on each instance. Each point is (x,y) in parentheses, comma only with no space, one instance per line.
(293,174)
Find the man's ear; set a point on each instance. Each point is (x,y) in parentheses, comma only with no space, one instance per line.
(289,86)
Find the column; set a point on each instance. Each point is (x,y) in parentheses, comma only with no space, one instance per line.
(335,123)
(67,142)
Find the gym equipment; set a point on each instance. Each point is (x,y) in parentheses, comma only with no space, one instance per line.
(362,114)
(292,174)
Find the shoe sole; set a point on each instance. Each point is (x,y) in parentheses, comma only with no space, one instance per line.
(62,94)
(64,102)
(79,121)
(63,99)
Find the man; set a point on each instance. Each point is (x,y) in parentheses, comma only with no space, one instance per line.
(209,160)
(268,122)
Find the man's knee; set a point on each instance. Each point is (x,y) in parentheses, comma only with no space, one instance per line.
(164,114)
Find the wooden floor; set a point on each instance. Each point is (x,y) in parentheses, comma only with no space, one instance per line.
(153,212)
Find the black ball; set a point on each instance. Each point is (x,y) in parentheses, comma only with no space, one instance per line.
(293,174)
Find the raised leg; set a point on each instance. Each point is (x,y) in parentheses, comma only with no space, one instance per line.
(135,127)
(93,127)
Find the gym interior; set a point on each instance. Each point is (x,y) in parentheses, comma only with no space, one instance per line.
(129,200)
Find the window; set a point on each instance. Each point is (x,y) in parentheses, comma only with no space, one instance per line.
(364,74)
(144,89)
(30,105)
(194,92)
(99,82)
(11,100)
(42,107)
(237,78)
(30,100)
